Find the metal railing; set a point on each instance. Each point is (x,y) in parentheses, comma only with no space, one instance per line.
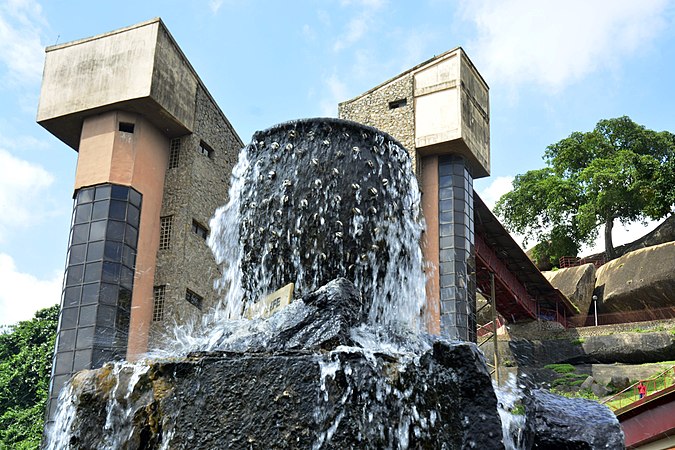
(573,261)
(644,315)
(631,394)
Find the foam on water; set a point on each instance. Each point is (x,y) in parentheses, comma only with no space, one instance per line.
(287,196)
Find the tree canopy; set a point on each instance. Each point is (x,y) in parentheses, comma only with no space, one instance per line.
(25,364)
(619,171)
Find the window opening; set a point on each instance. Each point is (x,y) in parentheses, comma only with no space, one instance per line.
(193,299)
(165,226)
(199,229)
(205,149)
(126,127)
(159,293)
(398,103)
(174,153)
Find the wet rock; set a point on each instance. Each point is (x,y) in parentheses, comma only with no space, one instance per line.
(576,424)
(329,315)
(633,348)
(349,192)
(642,279)
(343,399)
(322,320)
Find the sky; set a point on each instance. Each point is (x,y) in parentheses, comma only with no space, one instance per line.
(553,67)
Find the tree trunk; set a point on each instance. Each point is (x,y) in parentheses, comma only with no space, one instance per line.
(609,246)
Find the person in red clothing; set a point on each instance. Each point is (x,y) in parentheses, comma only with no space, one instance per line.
(642,389)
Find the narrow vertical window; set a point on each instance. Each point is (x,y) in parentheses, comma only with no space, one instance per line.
(193,298)
(174,153)
(165,225)
(159,293)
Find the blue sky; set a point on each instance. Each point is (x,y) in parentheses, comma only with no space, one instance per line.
(553,68)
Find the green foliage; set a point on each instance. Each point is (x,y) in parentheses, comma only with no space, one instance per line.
(582,393)
(619,171)
(560,368)
(518,409)
(578,341)
(25,364)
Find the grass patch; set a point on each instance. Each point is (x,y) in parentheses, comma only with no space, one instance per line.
(584,393)
(578,341)
(560,368)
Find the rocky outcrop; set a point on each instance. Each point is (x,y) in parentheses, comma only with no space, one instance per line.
(629,348)
(660,235)
(345,399)
(577,284)
(560,423)
(307,393)
(643,279)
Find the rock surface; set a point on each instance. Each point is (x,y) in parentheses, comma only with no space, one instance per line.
(322,320)
(630,348)
(643,279)
(577,284)
(345,399)
(562,423)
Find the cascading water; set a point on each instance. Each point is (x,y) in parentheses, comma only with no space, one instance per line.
(310,201)
(315,200)
(333,207)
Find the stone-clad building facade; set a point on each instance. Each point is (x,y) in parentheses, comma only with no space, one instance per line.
(155,157)
(195,185)
(439,110)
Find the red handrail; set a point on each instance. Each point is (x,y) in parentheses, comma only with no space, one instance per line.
(631,393)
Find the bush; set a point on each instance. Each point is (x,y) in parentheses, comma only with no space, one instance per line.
(25,365)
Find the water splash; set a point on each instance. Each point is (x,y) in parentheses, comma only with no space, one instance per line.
(311,201)
(512,413)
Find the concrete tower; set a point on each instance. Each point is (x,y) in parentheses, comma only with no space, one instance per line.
(155,154)
(440,111)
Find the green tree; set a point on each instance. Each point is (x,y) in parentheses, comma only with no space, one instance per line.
(26,352)
(619,171)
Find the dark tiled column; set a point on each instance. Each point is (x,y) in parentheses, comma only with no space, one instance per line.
(457,258)
(96,301)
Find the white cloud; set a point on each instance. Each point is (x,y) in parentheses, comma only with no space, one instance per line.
(498,187)
(21,52)
(215,5)
(22,294)
(620,235)
(337,92)
(21,186)
(358,25)
(492,193)
(555,44)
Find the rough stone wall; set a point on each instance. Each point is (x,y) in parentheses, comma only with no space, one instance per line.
(373,109)
(553,330)
(193,191)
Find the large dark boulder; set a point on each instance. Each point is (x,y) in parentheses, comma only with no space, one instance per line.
(630,348)
(344,399)
(328,198)
(322,319)
(572,424)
